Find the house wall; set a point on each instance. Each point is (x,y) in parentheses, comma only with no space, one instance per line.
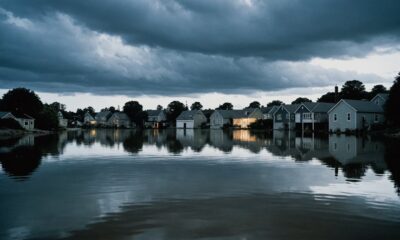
(369,119)
(243,122)
(217,121)
(341,111)
(181,123)
(378,100)
(321,117)
(28,124)
(299,118)
(282,119)
(257,114)
(115,121)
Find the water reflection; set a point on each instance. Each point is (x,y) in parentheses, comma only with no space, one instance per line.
(183,184)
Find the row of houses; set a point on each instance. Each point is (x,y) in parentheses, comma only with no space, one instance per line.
(27,122)
(108,119)
(342,116)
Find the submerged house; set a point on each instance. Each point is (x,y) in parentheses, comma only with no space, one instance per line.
(102,117)
(380,99)
(284,117)
(191,119)
(155,118)
(312,116)
(88,119)
(118,120)
(355,115)
(236,118)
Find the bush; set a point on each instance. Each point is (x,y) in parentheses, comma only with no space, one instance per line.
(10,124)
(261,124)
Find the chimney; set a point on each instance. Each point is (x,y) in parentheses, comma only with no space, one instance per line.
(336,93)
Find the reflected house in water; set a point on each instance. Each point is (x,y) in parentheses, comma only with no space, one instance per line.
(196,139)
(309,148)
(236,118)
(62,122)
(222,140)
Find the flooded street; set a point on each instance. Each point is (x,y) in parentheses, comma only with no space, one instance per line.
(199,184)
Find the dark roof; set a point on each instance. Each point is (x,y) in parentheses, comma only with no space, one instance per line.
(291,108)
(271,109)
(3,114)
(363,106)
(102,114)
(385,96)
(188,115)
(22,115)
(153,113)
(121,116)
(323,107)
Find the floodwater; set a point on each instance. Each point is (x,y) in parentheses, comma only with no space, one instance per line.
(199,184)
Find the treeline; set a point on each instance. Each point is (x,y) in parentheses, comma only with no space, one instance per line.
(21,100)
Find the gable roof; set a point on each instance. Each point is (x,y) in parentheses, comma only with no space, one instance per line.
(103,114)
(3,114)
(323,107)
(269,110)
(384,96)
(360,106)
(154,113)
(290,108)
(121,116)
(188,115)
(22,116)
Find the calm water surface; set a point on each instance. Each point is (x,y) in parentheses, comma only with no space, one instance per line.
(126,184)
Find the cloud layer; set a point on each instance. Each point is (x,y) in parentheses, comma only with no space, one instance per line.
(181,47)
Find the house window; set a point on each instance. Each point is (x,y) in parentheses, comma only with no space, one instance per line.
(348,116)
(287,116)
(26,123)
(335,117)
(279,116)
(307,116)
(376,118)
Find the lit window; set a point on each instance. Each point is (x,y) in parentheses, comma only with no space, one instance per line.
(348,116)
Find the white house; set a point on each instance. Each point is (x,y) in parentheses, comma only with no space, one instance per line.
(354,114)
(236,118)
(155,118)
(191,119)
(62,122)
(26,121)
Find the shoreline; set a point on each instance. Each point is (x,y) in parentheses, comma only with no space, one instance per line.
(17,133)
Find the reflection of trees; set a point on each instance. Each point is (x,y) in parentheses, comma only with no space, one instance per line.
(21,162)
(392,158)
(173,145)
(134,142)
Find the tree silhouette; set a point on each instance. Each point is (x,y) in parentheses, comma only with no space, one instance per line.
(196,106)
(392,110)
(135,112)
(275,103)
(22,100)
(353,89)
(329,97)
(175,108)
(225,106)
(254,104)
(301,100)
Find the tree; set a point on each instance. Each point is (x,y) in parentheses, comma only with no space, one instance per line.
(254,104)
(174,109)
(196,106)
(301,100)
(225,106)
(329,97)
(135,112)
(56,106)
(392,110)
(111,109)
(376,90)
(353,89)
(22,100)
(275,103)
(159,107)
(47,119)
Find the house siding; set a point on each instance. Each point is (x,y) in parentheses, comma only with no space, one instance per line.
(341,123)
(283,119)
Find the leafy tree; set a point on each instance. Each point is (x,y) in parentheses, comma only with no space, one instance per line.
(353,89)
(135,112)
(47,119)
(376,90)
(196,106)
(329,97)
(159,107)
(225,106)
(22,100)
(301,100)
(255,104)
(56,106)
(392,109)
(111,109)
(275,103)
(174,109)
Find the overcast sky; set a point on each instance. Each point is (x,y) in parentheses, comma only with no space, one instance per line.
(103,53)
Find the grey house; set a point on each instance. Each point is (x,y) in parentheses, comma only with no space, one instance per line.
(284,117)
(102,117)
(191,119)
(236,118)
(155,118)
(354,114)
(380,99)
(26,121)
(268,112)
(89,119)
(312,115)
(6,115)
(118,120)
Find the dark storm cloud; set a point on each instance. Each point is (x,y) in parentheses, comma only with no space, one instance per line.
(172,47)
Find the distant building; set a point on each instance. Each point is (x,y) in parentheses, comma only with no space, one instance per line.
(191,119)
(155,118)
(380,99)
(62,122)
(26,121)
(88,119)
(118,120)
(102,117)
(354,114)
(235,118)
(284,117)
(6,115)
(313,115)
